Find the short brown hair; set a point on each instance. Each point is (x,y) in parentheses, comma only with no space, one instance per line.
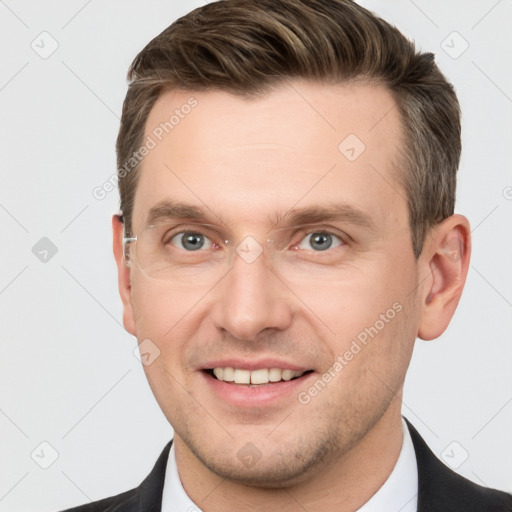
(247,46)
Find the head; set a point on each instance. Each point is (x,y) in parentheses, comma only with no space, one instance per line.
(319,127)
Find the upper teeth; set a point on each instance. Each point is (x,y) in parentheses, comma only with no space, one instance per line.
(262,376)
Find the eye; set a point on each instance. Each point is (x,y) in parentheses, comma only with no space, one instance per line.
(191,241)
(320,241)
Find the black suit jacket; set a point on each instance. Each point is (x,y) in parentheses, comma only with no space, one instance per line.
(439,489)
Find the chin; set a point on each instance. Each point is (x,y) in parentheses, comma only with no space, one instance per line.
(276,467)
(269,475)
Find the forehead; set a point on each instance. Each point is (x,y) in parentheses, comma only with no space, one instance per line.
(247,160)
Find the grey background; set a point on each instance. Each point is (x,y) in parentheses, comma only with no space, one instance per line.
(69,376)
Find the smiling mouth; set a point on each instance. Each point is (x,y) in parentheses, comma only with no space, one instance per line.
(255,377)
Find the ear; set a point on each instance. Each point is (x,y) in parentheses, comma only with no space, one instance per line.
(123,274)
(445,259)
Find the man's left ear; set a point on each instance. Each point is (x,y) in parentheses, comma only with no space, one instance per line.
(445,259)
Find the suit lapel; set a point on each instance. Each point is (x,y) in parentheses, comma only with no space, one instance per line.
(149,492)
(442,490)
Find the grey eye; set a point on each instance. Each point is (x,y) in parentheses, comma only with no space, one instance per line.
(320,241)
(190,241)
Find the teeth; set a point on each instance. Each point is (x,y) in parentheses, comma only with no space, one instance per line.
(274,375)
(261,376)
(287,374)
(242,376)
(228,374)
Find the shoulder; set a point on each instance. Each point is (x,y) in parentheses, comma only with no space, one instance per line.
(146,497)
(441,489)
(124,502)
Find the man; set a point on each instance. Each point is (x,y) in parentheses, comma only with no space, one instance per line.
(287,177)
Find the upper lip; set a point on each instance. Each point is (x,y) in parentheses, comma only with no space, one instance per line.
(246,364)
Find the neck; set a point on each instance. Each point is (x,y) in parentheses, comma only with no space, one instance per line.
(355,477)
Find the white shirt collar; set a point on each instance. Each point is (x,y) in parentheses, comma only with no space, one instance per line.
(174,497)
(399,493)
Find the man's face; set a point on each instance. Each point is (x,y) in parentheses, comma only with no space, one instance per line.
(338,289)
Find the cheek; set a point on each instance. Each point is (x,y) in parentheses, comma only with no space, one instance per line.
(353,305)
(160,309)
(164,322)
(372,307)
(170,317)
(159,324)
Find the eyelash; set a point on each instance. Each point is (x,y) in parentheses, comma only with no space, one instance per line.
(170,235)
(323,232)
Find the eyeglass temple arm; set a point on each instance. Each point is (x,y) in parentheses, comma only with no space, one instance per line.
(125,239)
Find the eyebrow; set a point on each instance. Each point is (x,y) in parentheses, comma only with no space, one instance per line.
(167,210)
(330,212)
(171,210)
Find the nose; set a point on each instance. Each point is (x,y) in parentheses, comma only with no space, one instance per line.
(251,299)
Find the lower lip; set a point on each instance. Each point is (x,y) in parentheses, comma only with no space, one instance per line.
(243,395)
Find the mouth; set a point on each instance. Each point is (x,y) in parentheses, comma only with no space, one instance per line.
(254,378)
